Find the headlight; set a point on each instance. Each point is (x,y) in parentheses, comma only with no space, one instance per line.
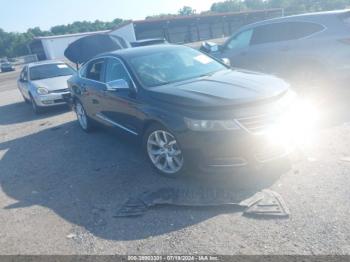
(211,125)
(42,91)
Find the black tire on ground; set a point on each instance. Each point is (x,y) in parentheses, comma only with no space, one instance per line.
(84,121)
(158,127)
(36,109)
(25,99)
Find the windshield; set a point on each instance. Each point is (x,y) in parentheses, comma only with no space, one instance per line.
(49,71)
(168,66)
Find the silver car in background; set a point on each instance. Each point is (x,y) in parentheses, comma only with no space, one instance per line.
(304,49)
(44,84)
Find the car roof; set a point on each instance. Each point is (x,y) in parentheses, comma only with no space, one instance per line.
(142,50)
(311,17)
(46,62)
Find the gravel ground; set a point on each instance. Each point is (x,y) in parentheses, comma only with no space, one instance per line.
(61,187)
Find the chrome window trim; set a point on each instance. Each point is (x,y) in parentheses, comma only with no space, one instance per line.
(103,117)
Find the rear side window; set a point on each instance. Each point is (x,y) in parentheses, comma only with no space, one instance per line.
(94,70)
(286,31)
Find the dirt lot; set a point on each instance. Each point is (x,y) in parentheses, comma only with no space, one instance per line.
(60,189)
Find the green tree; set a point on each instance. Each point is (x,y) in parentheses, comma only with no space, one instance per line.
(228,6)
(160,16)
(255,4)
(187,10)
(302,6)
(290,6)
(15,44)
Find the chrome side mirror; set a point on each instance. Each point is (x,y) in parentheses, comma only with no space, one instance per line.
(226,61)
(116,85)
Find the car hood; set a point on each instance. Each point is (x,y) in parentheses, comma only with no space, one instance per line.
(52,84)
(224,88)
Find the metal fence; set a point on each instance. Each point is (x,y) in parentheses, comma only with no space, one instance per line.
(200,27)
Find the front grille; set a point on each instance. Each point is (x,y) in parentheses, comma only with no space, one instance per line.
(257,124)
(60,91)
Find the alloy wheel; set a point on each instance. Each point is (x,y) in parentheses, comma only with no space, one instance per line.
(164,152)
(81,115)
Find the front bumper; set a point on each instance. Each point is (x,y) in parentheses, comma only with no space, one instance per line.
(228,150)
(52,99)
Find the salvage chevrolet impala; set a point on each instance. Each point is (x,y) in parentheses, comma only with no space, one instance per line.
(190,110)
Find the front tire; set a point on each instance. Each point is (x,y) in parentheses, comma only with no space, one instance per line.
(84,121)
(27,101)
(36,109)
(163,151)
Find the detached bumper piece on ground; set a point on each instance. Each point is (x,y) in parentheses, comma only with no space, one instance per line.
(263,204)
(271,205)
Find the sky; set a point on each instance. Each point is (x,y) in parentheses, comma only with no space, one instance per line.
(19,15)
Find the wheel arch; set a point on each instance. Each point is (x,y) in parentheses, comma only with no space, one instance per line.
(149,123)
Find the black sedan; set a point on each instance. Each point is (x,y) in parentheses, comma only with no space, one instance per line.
(190,110)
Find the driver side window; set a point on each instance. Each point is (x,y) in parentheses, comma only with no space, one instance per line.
(116,70)
(241,40)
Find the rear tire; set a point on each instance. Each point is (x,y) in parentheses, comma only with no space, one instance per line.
(163,151)
(85,122)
